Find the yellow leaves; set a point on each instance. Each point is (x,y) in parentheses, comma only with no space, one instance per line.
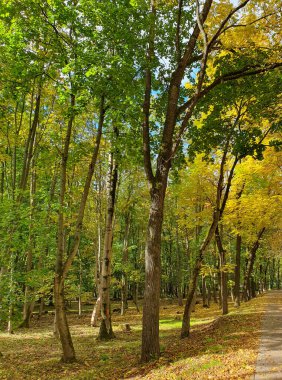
(261,202)
(204,115)
(189,85)
(166,2)
(212,66)
(247,29)
(218,13)
(223,53)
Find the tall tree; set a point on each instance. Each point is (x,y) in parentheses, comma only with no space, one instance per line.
(177,114)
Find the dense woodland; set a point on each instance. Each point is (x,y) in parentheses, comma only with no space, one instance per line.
(140,159)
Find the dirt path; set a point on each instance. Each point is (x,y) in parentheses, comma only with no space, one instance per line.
(269,360)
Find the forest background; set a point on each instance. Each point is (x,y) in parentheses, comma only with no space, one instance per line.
(140,157)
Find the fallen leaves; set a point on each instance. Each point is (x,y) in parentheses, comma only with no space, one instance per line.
(220,347)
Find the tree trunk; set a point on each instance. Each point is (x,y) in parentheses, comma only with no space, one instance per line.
(30,143)
(214,289)
(185,330)
(150,327)
(106,331)
(179,269)
(62,323)
(253,288)
(204,292)
(124,282)
(61,318)
(41,307)
(272,277)
(80,289)
(62,267)
(96,312)
(223,273)
(250,265)
(11,294)
(135,296)
(221,200)
(28,304)
(97,307)
(265,275)
(237,271)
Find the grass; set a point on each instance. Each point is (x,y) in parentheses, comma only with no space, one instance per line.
(220,347)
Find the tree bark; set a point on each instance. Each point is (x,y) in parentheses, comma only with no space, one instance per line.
(265,275)
(28,304)
(179,269)
(97,307)
(124,282)
(30,142)
(96,312)
(61,318)
(62,267)
(150,331)
(223,273)
(135,296)
(62,323)
(217,214)
(185,329)
(80,289)
(251,260)
(106,331)
(204,292)
(214,289)
(237,271)
(170,142)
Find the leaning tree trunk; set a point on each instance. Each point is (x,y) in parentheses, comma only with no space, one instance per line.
(26,164)
(221,200)
(106,331)
(62,267)
(96,312)
(251,260)
(61,321)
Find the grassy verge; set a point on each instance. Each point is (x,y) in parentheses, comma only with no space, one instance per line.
(218,348)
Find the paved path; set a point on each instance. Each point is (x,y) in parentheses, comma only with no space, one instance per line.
(269,360)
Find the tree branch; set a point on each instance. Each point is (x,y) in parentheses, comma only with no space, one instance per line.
(244,25)
(178,27)
(225,21)
(147,101)
(245,71)
(84,196)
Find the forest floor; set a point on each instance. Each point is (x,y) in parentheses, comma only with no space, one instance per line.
(220,347)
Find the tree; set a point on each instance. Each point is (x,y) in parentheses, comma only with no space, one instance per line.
(176,115)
